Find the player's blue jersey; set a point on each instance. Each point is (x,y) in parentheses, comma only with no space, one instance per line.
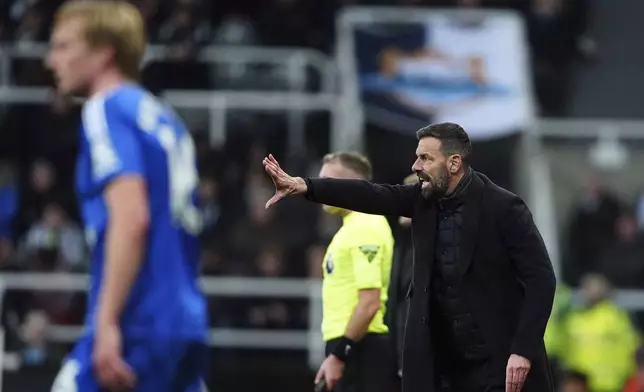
(126,132)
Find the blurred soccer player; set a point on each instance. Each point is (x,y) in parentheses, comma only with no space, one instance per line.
(146,321)
(356,268)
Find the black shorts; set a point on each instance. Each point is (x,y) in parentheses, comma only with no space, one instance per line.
(371,368)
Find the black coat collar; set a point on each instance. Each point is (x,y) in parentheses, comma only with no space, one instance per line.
(425,221)
(472,199)
(456,199)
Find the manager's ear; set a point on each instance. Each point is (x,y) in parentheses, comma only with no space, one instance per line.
(455,163)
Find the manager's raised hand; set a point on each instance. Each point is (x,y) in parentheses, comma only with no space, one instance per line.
(285,185)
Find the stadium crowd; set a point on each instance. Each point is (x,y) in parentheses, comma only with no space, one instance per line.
(39,222)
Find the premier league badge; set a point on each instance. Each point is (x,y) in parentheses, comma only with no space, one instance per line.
(329,264)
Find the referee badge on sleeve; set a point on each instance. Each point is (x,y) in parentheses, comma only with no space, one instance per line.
(329,264)
(369,251)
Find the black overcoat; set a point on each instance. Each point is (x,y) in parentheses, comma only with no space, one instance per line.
(507,278)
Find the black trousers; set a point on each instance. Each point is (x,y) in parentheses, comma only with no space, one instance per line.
(371,368)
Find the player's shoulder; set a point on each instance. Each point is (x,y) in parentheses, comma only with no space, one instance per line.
(118,104)
(130,104)
(360,226)
(125,101)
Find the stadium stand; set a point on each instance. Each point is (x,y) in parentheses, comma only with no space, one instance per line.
(239,72)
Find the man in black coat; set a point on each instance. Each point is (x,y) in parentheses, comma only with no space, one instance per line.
(483,285)
(401,275)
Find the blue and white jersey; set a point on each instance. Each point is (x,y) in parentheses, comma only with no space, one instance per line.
(128,132)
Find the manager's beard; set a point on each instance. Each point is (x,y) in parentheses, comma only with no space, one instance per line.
(434,187)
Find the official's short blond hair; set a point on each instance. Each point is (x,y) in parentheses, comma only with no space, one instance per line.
(115,24)
(352,160)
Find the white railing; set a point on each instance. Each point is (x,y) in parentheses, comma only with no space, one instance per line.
(294,102)
(295,60)
(218,103)
(310,340)
(590,128)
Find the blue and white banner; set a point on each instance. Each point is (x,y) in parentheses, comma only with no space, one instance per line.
(443,66)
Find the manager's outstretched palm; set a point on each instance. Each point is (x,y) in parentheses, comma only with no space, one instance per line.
(285,185)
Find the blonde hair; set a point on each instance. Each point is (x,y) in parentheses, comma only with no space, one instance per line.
(115,24)
(352,160)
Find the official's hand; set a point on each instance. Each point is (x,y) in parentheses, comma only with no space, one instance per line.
(516,373)
(285,185)
(331,371)
(111,370)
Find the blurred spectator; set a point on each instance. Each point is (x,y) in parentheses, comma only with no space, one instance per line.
(555,337)
(270,262)
(34,337)
(152,15)
(602,339)
(26,316)
(185,29)
(636,382)
(272,313)
(622,262)
(6,252)
(299,24)
(212,261)
(44,132)
(592,228)
(234,30)
(639,209)
(577,18)
(8,201)
(18,8)
(207,157)
(40,190)
(209,201)
(574,382)
(261,225)
(56,233)
(31,28)
(552,40)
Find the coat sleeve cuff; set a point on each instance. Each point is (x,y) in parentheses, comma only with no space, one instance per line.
(524,350)
(309,189)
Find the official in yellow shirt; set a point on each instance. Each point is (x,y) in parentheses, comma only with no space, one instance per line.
(602,339)
(356,268)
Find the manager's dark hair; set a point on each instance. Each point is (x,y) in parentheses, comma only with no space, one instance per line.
(453,138)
